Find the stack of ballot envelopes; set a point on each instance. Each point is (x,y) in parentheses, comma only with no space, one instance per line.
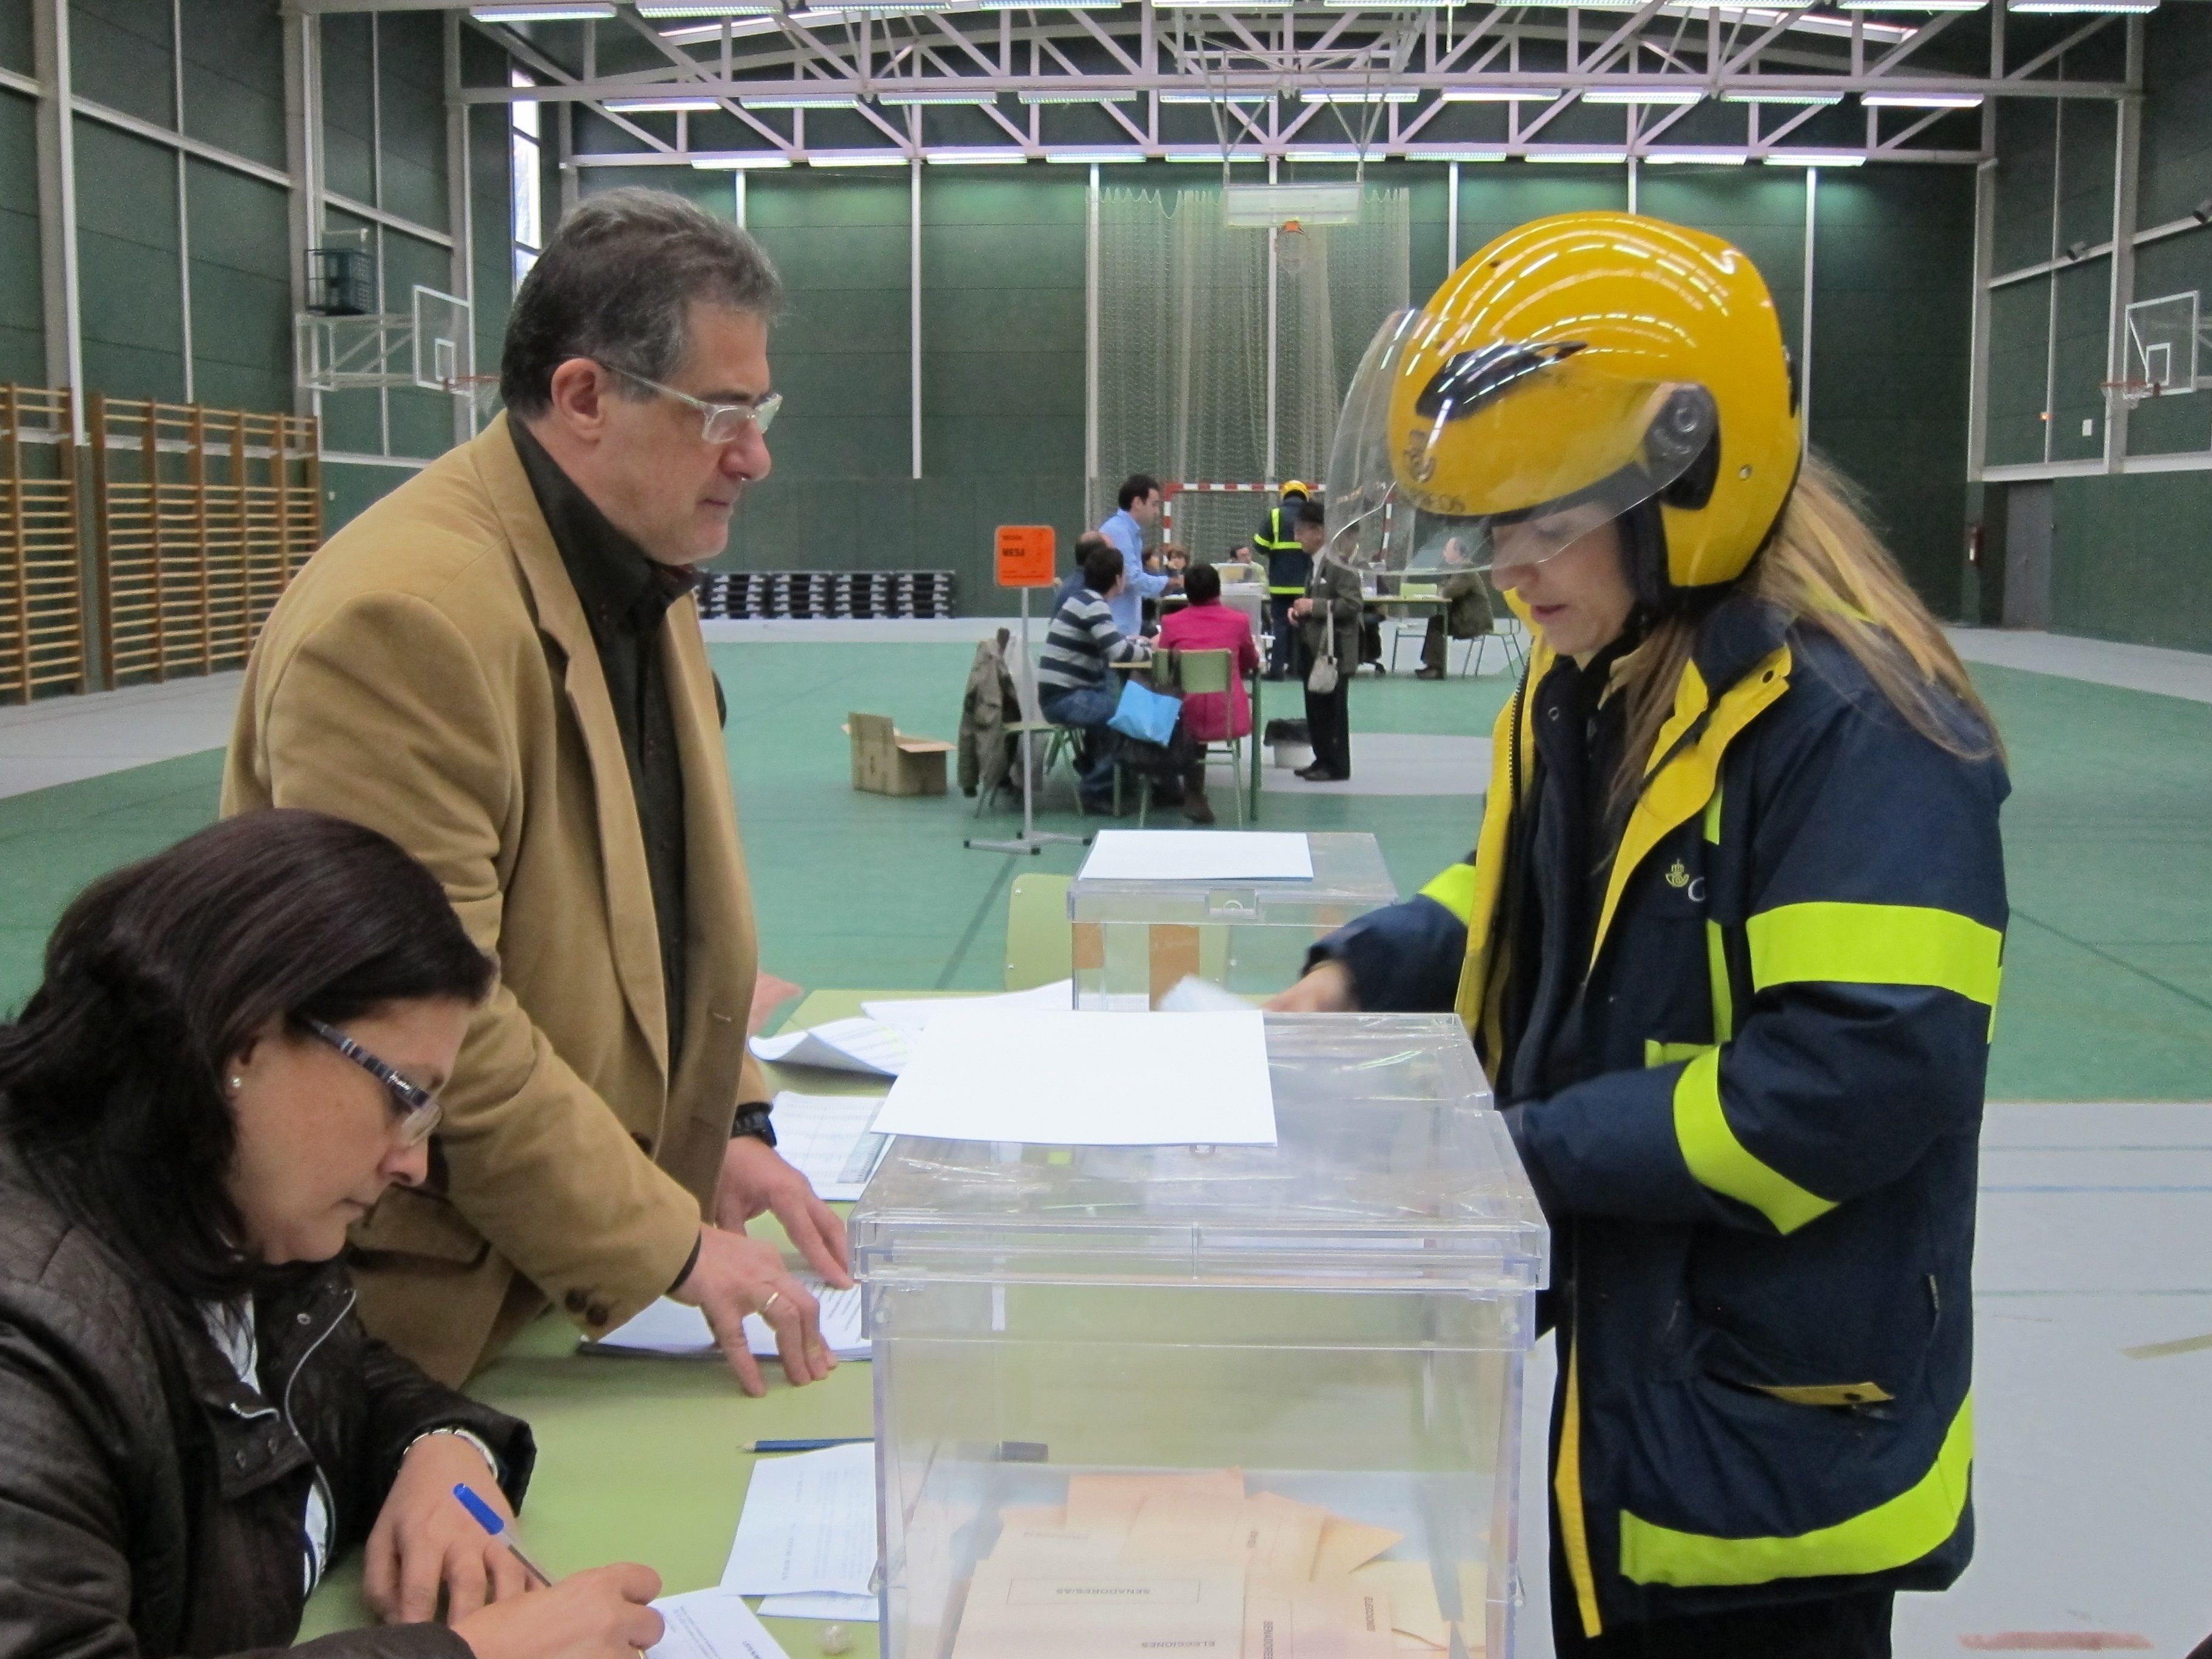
(1134,1566)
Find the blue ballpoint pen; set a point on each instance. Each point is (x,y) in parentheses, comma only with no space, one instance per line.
(495,1523)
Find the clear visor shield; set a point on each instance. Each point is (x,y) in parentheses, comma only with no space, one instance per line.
(1505,455)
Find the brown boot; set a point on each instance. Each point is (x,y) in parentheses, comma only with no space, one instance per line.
(1196,807)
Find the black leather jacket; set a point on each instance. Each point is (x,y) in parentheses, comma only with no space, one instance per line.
(150,1502)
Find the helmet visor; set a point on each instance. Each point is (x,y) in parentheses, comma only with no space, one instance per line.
(1504,455)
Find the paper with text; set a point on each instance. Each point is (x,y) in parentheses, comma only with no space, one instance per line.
(712,1625)
(808,1525)
(845,1609)
(826,1138)
(866,1046)
(677,1330)
(910,1014)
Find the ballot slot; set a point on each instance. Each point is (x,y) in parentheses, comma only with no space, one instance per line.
(1121,1389)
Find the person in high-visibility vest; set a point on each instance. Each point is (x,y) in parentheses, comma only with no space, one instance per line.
(1289,568)
(1728,946)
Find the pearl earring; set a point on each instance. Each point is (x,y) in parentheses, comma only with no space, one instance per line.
(236,1084)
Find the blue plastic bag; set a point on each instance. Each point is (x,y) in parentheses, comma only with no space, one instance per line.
(1144,714)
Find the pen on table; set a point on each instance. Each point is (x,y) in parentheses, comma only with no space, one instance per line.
(493,1522)
(759,1446)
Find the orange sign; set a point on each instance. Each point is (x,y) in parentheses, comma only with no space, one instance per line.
(1025,553)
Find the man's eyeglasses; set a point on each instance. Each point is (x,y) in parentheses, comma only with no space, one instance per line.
(418,1112)
(719,423)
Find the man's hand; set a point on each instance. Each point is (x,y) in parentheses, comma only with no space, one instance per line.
(1300,609)
(600,1614)
(1327,990)
(755,1178)
(423,1539)
(735,1276)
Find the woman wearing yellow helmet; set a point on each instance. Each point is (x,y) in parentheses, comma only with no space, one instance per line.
(1728,947)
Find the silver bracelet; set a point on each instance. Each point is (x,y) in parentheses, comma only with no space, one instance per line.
(490,1457)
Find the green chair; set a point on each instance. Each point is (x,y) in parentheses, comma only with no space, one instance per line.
(1040,943)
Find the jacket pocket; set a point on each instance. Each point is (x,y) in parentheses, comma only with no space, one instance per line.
(410,1223)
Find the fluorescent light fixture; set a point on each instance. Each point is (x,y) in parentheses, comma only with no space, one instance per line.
(849,14)
(1815,158)
(1003,157)
(651,9)
(2132,8)
(1221,5)
(1912,5)
(744,161)
(659,106)
(857,158)
(552,11)
(1093,97)
(1819,100)
(908,99)
(1501,94)
(796,99)
(1579,157)
(1451,153)
(1671,96)
(1055,5)
(1206,157)
(1358,95)
(1696,158)
(1343,152)
(1591,5)
(1212,97)
(1092,158)
(1921,99)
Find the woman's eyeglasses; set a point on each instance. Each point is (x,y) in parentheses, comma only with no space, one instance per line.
(418,1112)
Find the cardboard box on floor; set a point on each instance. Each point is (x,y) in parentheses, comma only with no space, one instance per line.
(886,762)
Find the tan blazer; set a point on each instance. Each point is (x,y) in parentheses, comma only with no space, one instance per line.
(430,673)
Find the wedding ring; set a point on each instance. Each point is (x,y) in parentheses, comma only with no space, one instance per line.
(773,1296)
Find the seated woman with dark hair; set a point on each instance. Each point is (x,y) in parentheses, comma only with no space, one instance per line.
(236,1049)
(1206,624)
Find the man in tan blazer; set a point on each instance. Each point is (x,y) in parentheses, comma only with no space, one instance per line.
(500,666)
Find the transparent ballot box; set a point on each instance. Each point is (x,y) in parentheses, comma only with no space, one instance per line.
(1134,941)
(1257,1402)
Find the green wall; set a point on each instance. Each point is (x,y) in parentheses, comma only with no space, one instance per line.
(2128,551)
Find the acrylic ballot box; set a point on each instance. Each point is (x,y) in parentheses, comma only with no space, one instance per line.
(1239,1401)
(1135,940)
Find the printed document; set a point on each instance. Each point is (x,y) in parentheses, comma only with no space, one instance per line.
(808,1525)
(866,1046)
(1198,855)
(677,1330)
(711,1624)
(826,1138)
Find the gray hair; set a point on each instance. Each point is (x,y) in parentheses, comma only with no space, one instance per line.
(616,284)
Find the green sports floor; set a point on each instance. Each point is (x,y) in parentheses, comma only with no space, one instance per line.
(2108,972)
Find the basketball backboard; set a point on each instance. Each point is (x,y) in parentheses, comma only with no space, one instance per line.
(2163,336)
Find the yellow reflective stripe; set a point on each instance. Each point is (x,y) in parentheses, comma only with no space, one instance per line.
(1828,1393)
(1666,1054)
(1454,889)
(1876,944)
(1716,974)
(1567,1489)
(1720,1162)
(1888,1536)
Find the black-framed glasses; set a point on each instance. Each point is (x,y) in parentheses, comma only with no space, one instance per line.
(719,423)
(416,1108)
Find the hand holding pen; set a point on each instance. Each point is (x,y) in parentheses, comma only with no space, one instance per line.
(603,1613)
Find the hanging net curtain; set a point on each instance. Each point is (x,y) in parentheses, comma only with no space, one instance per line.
(1183,346)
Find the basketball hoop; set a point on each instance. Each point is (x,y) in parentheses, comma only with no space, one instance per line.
(1292,247)
(2131,392)
(481,390)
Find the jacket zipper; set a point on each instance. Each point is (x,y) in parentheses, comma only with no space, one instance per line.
(314,1464)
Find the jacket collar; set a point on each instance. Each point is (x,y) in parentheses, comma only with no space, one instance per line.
(561,620)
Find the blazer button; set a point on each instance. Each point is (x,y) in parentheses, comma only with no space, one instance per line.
(644,1144)
(574,1302)
(597,1312)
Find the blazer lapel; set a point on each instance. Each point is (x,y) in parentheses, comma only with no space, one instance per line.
(629,883)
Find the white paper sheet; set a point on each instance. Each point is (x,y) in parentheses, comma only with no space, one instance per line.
(1093,1079)
(908,1015)
(677,1330)
(825,1138)
(866,1046)
(1198,855)
(848,1609)
(712,1625)
(808,1525)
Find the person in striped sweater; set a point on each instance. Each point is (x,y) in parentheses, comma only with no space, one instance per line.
(1073,685)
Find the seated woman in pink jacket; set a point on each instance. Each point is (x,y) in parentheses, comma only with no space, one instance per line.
(1206,624)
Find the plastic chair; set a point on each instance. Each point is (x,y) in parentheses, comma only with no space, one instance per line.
(1040,940)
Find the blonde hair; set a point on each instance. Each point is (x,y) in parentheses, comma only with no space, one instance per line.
(1825,568)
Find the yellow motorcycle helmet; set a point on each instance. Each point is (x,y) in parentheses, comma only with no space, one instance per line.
(1581,369)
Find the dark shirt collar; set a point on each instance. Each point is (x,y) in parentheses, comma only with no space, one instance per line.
(620,587)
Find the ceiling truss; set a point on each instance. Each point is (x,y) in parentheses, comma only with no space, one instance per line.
(1391,79)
